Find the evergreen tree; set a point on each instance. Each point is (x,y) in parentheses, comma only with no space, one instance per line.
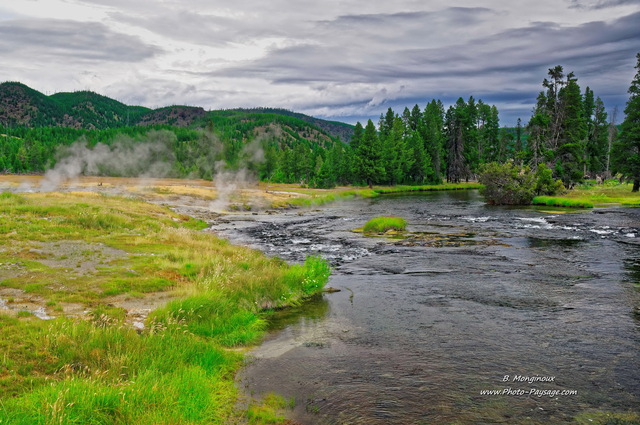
(538,128)
(518,148)
(627,148)
(570,153)
(469,115)
(432,131)
(558,129)
(416,118)
(358,132)
(457,123)
(420,166)
(398,157)
(386,123)
(598,140)
(369,167)
(505,146)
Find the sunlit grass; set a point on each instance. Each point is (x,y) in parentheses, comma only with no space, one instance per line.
(611,192)
(590,194)
(553,201)
(427,188)
(179,369)
(384,224)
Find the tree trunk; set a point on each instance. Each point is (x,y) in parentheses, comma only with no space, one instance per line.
(636,184)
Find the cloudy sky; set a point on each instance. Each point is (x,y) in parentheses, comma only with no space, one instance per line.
(346,60)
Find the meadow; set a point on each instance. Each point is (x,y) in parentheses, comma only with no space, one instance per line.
(87,262)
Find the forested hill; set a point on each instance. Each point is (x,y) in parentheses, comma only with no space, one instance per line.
(103,135)
(22,106)
(337,129)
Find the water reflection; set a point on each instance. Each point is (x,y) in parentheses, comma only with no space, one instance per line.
(312,310)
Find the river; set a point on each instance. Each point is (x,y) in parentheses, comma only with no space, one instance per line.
(481,315)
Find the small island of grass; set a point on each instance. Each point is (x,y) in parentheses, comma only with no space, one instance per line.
(384,224)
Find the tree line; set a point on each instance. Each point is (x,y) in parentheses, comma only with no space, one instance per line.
(569,132)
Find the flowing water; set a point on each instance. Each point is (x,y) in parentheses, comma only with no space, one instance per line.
(540,307)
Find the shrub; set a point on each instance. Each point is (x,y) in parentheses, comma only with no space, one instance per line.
(545,185)
(509,184)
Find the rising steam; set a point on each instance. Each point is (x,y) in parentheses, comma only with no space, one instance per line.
(230,181)
(153,156)
(124,157)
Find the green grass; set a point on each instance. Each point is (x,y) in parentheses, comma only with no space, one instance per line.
(180,369)
(267,411)
(384,224)
(427,188)
(553,201)
(589,194)
(611,192)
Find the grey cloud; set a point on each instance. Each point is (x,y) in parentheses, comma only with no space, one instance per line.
(83,40)
(501,67)
(452,15)
(599,4)
(185,26)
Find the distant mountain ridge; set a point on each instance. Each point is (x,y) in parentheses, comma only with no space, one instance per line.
(336,128)
(21,105)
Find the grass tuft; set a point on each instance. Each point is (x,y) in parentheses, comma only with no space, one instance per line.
(384,224)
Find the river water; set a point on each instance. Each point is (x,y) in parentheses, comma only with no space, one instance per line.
(538,306)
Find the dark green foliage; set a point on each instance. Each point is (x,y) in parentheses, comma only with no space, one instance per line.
(369,156)
(567,129)
(510,184)
(597,137)
(432,131)
(544,182)
(336,129)
(460,141)
(627,148)
(507,184)
(272,147)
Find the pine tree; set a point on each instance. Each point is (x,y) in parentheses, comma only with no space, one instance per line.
(457,123)
(432,131)
(369,167)
(358,132)
(570,151)
(598,140)
(518,148)
(627,148)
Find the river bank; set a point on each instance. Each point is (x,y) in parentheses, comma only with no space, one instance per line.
(114,310)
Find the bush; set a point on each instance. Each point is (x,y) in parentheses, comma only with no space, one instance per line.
(545,185)
(509,184)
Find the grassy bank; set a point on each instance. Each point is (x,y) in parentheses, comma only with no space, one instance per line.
(554,201)
(91,261)
(426,188)
(589,195)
